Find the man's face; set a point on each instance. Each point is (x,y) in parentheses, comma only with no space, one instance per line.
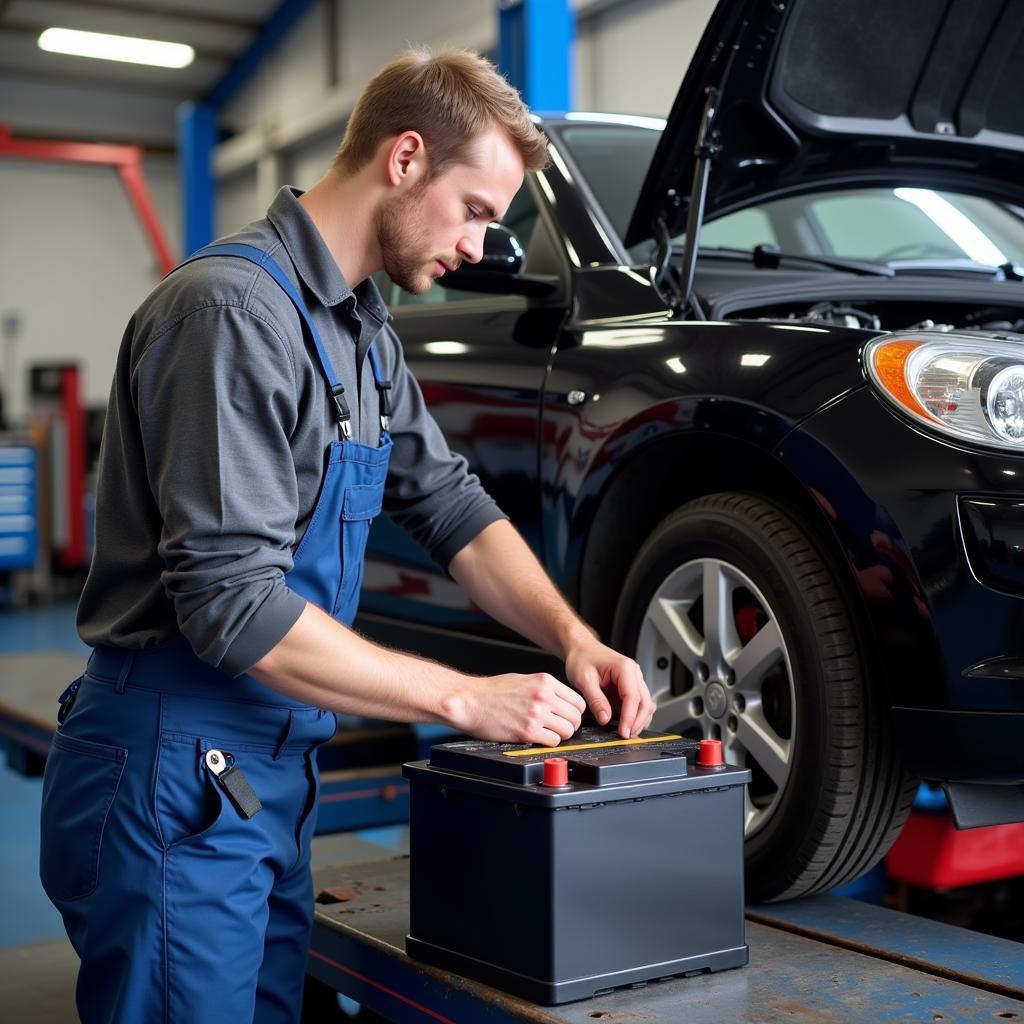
(439,223)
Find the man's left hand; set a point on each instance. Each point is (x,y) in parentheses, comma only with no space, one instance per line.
(609,681)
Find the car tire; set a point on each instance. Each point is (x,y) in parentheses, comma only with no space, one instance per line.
(743,634)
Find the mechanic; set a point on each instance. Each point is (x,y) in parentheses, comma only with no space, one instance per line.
(261,415)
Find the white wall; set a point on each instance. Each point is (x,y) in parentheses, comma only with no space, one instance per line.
(631,57)
(74,264)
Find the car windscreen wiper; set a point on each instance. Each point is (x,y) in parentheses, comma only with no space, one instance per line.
(769,257)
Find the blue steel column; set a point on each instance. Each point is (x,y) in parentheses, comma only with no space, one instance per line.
(197,126)
(197,135)
(535,50)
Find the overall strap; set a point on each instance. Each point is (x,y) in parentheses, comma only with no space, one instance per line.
(383,387)
(264,262)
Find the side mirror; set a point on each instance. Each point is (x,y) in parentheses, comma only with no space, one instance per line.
(500,268)
(503,252)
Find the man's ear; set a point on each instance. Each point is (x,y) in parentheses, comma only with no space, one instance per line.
(406,159)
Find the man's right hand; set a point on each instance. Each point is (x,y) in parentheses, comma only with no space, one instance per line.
(514,708)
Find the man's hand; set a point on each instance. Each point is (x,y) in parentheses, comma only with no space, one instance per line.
(516,708)
(610,681)
(505,579)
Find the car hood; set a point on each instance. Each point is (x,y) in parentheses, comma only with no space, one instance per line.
(814,94)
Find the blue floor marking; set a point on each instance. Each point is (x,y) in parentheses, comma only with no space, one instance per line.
(28,916)
(45,628)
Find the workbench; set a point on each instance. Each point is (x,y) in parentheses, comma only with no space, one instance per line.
(827,959)
(361,784)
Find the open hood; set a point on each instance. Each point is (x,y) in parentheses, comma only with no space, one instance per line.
(813,94)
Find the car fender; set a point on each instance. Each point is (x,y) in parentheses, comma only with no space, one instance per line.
(677,451)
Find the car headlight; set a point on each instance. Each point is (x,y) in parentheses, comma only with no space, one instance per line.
(970,388)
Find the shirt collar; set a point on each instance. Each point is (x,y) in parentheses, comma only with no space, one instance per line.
(313,260)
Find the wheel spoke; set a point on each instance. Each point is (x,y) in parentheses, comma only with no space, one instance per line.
(762,652)
(676,713)
(720,637)
(674,627)
(764,744)
(750,812)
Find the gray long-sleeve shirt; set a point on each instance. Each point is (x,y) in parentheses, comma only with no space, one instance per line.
(213,448)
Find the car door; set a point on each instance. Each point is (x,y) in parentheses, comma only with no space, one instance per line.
(480,359)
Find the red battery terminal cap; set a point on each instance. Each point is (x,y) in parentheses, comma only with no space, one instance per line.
(556,771)
(710,754)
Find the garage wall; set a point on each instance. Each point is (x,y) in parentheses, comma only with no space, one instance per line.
(74,264)
(294,82)
(366,36)
(630,57)
(108,115)
(307,164)
(235,201)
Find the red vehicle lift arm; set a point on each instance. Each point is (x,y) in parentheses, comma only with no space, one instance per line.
(126,160)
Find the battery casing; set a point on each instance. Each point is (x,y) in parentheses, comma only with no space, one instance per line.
(557,894)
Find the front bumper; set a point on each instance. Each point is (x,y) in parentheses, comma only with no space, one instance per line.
(979,747)
(933,536)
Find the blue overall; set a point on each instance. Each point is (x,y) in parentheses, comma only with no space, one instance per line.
(181,908)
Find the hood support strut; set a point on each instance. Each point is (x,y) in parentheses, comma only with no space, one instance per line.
(705,151)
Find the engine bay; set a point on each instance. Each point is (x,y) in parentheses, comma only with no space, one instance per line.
(898,316)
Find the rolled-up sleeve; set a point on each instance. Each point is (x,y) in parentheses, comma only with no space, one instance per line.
(430,491)
(215,397)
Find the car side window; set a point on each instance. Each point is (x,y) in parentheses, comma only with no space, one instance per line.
(521,218)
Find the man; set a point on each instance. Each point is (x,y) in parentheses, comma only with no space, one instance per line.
(261,415)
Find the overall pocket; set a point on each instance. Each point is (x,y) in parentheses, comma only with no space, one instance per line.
(188,802)
(361,506)
(79,786)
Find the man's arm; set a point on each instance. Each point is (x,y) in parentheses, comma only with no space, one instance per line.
(500,573)
(321,662)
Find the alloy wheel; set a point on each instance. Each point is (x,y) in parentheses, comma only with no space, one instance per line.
(716,661)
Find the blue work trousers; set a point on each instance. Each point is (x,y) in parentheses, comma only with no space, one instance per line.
(199,913)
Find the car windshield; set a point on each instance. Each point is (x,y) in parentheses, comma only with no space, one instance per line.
(899,225)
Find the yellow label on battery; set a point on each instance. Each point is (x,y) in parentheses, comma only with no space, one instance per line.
(587,746)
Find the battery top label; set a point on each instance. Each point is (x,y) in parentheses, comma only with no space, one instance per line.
(593,745)
(596,756)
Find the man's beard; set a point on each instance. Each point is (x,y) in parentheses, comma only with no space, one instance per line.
(403,244)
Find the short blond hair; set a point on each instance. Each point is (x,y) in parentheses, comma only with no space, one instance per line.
(450,99)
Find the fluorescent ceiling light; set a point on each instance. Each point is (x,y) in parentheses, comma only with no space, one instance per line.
(123,48)
(753,359)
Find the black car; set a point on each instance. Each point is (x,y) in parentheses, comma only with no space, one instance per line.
(751,384)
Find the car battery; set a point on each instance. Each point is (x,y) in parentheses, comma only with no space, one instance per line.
(557,873)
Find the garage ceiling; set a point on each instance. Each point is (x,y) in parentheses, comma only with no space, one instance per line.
(218,30)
